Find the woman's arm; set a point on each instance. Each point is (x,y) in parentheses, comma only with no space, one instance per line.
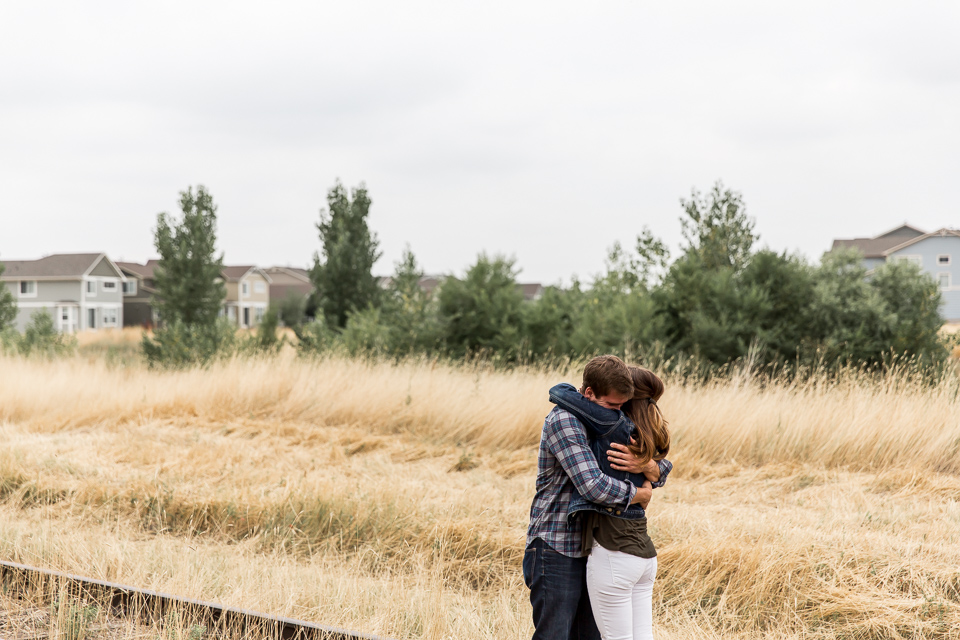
(622,459)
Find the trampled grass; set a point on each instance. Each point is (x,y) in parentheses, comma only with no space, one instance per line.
(393,498)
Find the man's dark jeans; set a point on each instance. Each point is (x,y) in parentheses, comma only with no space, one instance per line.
(558,593)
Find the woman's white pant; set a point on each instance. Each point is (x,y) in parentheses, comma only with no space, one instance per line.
(621,593)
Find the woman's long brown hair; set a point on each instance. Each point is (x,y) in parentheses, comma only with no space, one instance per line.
(652,436)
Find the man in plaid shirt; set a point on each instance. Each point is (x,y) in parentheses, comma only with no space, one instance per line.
(554,565)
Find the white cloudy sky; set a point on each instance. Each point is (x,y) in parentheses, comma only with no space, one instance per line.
(541,130)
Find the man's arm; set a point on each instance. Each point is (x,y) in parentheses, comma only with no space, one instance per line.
(566,439)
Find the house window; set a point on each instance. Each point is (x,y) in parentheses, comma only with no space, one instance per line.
(259,287)
(109,285)
(92,287)
(109,317)
(130,287)
(943,260)
(246,288)
(944,280)
(28,288)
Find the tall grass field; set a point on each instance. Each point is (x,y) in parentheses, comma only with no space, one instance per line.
(393,498)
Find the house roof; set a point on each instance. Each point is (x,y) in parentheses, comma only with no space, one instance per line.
(70,266)
(288,275)
(142,270)
(237,273)
(878,246)
(939,232)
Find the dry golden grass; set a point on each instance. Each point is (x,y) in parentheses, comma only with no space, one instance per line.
(393,498)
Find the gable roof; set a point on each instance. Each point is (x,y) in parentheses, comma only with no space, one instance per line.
(237,273)
(877,247)
(938,233)
(289,274)
(137,269)
(59,266)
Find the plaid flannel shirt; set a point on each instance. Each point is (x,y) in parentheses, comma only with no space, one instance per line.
(565,465)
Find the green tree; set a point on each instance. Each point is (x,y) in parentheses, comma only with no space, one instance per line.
(865,319)
(617,314)
(8,304)
(717,229)
(550,323)
(190,290)
(409,310)
(188,281)
(292,309)
(482,313)
(342,272)
(41,337)
(913,297)
(703,311)
(779,289)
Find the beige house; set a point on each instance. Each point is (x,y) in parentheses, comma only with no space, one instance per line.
(248,295)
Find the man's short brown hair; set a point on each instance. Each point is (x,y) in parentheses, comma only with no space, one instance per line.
(606,374)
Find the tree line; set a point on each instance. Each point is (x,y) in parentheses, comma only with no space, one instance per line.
(720,300)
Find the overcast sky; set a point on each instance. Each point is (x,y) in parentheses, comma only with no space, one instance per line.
(539,130)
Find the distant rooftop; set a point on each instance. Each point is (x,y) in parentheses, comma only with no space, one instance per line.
(876,246)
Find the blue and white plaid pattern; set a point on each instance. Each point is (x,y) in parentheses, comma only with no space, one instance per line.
(566,465)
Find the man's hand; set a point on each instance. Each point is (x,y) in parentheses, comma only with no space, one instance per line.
(622,459)
(644,493)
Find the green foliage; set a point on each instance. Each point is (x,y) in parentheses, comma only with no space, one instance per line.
(292,310)
(551,322)
(8,304)
(410,312)
(178,345)
(481,314)
(315,338)
(265,341)
(717,229)
(42,339)
(190,289)
(617,314)
(342,275)
(406,321)
(188,280)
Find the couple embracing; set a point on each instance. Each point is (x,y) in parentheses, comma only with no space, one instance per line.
(589,563)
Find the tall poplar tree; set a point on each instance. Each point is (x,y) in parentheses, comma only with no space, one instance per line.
(188,280)
(342,272)
(190,291)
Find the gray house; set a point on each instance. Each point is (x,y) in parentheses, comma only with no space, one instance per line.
(79,290)
(933,252)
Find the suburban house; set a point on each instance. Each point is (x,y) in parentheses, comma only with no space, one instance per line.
(248,295)
(286,282)
(79,290)
(933,252)
(138,292)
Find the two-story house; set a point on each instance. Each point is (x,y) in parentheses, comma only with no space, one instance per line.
(937,253)
(248,295)
(80,291)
